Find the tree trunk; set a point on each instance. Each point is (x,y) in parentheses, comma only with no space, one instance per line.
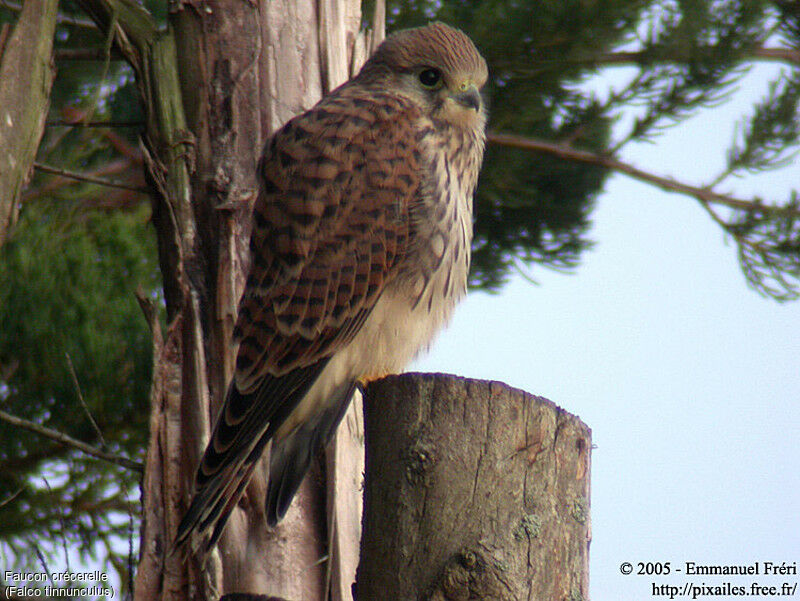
(214,85)
(26,76)
(473,490)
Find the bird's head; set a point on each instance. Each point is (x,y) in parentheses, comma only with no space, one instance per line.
(439,68)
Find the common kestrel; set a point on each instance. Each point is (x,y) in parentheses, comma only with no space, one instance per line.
(360,250)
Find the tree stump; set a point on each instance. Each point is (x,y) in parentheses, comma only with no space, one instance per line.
(473,490)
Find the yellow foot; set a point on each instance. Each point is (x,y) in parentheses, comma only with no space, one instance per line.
(364,380)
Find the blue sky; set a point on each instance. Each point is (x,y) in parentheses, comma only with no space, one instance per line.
(689,379)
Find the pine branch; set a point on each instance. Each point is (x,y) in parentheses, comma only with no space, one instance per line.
(70,442)
(110,168)
(703,194)
(85,407)
(13,496)
(788,55)
(59,510)
(87,178)
(86,54)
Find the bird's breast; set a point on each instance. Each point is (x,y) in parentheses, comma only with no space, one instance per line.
(429,284)
(433,275)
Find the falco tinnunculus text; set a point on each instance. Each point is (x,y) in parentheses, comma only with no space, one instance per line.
(360,250)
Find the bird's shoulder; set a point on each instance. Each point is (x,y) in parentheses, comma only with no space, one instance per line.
(337,171)
(343,126)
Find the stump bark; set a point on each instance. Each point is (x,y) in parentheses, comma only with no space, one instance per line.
(473,490)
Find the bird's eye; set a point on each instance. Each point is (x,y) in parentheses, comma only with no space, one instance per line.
(430,78)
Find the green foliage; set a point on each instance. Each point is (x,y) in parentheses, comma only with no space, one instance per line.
(769,247)
(685,56)
(769,138)
(531,208)
(67,282)
(689,56)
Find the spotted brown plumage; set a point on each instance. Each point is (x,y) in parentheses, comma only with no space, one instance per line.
(359,252)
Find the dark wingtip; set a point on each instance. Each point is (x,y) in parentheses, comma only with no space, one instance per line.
(185,528)
(288,466)
(291,457)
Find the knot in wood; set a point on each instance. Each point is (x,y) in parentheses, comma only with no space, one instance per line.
(468,575)
(419,460)
(529,527)
(580,510)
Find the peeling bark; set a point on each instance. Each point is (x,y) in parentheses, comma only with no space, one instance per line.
(159,575)
(214,85)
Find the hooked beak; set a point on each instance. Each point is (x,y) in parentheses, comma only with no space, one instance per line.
(469,98)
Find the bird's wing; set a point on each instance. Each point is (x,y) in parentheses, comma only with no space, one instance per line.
(333,217)
(339,185)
